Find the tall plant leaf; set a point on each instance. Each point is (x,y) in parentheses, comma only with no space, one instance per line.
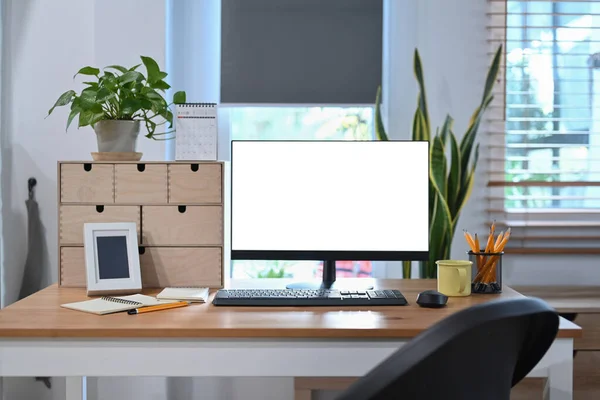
(379,128)
(492,74)
(441,223)
(438,231)
(438,167)
(466,144)
(446,128)
(467,187)
(406,269)
(419,126)
(422,99)
(454,174)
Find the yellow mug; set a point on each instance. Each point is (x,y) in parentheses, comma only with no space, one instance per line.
(454,277)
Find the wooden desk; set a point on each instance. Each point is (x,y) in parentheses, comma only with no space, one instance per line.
(580,304)
(203,340)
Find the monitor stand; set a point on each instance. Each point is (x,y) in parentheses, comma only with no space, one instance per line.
(329,281)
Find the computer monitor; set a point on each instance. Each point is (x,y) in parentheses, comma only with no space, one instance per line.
(329,200)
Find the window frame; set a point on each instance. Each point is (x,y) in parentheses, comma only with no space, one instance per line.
(535,231)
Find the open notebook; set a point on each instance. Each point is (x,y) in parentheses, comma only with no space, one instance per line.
(199,295)
(109,305)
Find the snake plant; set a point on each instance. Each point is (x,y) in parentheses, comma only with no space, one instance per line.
(452,165)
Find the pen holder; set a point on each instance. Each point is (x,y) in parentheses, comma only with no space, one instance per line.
(486,276)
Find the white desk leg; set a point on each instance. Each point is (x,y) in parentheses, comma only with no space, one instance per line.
(76,388)
(559,385)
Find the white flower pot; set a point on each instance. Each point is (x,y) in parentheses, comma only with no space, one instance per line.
(117,136)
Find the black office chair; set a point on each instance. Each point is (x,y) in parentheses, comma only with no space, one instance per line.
(479,353)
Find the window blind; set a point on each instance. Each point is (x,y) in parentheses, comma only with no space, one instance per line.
(301,51)
(544,126)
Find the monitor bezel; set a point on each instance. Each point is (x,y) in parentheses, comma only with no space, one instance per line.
(320,255)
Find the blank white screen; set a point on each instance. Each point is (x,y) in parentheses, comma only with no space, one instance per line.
(330,196)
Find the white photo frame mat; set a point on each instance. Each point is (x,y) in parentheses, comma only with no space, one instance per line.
(97,286)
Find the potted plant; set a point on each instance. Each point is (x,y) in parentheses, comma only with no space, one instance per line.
(452,165)
(117,100)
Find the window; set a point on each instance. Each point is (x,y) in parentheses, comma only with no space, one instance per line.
(299,123)
(545,129)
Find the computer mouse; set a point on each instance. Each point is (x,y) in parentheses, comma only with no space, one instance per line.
(432,299)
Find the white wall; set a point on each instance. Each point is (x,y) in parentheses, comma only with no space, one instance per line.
(45,43)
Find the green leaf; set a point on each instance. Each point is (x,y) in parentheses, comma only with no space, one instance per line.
(168,116)
(152,68)
(151,127)
(179,97)
(93,85)
(162,75)
(129,106)
(406,269)
(161,85)
(109,80)
(466,144)
(446,128)
(146,104)
(87,100)
(72,115)
(379,128)
(129,76)
(422,99)
(438,166)
(87,71)
(492,74)
(454,175)
(438,230)
(63,100)
(467,186)
(135,67)
(156,99)
(104,95)
(90,117)
(118,68)
(419,127)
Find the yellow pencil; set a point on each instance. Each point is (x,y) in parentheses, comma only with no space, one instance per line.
(158,307)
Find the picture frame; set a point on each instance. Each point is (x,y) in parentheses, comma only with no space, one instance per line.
(112,261)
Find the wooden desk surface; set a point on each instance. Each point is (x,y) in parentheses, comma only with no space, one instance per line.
(41,316)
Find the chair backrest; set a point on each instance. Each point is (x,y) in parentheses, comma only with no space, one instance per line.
(477,353)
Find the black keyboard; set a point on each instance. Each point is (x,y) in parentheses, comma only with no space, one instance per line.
(306,297)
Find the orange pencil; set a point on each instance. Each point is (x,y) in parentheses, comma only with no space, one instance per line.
(159,307)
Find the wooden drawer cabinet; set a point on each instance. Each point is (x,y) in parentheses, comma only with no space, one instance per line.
(177,207)
(140,183)
(86,183)
(172,266)
(72,267)
(72,218)
(182,225)
(586,375)
(590,325)
(195,183)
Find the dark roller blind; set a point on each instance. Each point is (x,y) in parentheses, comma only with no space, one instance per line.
(301,51)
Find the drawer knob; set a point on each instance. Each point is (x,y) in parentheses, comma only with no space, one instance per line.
(99,209)
(181,209)
(87,167)
(141,249)
(141,167)
(194,167)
